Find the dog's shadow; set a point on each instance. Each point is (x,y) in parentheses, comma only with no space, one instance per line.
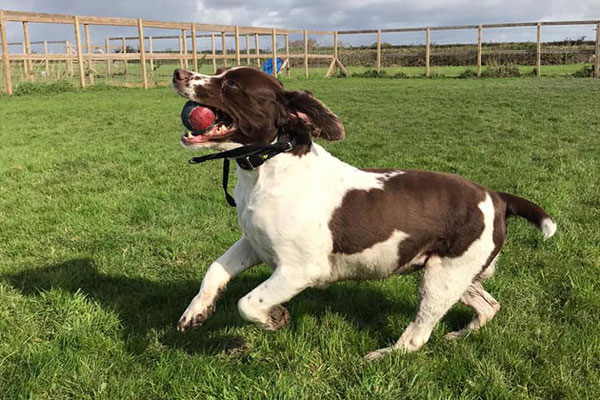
(143,304)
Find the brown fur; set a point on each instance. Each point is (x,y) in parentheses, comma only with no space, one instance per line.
(438,211)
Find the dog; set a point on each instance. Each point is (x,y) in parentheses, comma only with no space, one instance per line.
(317,220)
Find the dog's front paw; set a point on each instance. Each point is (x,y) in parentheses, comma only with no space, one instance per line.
(192,319)
(278,318)
(186,323)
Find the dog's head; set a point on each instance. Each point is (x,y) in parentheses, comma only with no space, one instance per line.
(254,108)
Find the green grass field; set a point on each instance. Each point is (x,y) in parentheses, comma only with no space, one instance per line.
(106,231)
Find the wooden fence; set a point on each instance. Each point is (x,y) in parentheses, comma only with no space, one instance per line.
(479,29)
(143,56)
(74,53)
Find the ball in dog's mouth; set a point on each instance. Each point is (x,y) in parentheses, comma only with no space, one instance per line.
(204,123)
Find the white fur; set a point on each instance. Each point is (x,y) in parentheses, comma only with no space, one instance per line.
(548,228)
(376,262)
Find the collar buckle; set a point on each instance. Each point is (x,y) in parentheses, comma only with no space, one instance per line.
(250,162)
(290,147)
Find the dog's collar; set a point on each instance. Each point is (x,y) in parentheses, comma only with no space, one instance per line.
(248,157)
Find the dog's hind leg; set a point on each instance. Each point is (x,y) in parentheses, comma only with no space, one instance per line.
(263,304)
(443,284)
(482,303)
(236,259)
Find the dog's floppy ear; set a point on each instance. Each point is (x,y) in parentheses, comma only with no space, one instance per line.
(325,123)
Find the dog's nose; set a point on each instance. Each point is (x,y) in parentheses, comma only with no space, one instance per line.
(181,75)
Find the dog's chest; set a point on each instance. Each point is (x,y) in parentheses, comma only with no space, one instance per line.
(283,212)
(285,209)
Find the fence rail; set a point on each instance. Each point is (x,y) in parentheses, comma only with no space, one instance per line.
(85,58)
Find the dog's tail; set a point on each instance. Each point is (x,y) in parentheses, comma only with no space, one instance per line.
(533,213)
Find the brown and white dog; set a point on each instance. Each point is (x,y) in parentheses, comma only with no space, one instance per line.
(316,220)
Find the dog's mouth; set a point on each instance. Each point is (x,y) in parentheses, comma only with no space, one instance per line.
(222,128)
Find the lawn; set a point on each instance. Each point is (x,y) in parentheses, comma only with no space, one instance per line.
(106,231)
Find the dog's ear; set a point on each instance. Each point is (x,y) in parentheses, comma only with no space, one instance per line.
(324,122)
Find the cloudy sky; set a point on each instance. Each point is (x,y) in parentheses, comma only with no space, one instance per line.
(325,14)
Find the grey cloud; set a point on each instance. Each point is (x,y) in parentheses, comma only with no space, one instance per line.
(325,14)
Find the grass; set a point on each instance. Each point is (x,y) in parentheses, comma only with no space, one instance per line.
(105,232)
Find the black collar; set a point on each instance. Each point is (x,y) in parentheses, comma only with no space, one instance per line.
(248,157)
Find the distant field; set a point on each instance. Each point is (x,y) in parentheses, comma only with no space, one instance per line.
(106,231)
(162,72)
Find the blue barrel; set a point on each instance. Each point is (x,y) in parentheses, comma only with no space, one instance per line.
(268,65)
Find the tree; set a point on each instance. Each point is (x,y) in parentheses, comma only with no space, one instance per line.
(130,49)
(299,44)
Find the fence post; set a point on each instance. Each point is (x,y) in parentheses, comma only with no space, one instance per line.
(79,52)
(479,50)
(125,52)
(257,48)
(287,54)
(28,63)
(142,53)
(274,39)
(335,44)
(46,61)
(378,50)
(214,52)
(224,48)
(70,60)
(333,66)
(184,42)
(597,60)
(305,54)
(180,58)
(108,62)
(335,47)
(151,52)
(24,69)
(88,50)
(427,52)
(5,59)
(539,49)
(194,50)
(238,61)
(248,49)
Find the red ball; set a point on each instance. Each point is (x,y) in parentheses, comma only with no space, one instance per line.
(197,117)
(201,118)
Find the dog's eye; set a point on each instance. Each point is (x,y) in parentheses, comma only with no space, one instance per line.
(231,83)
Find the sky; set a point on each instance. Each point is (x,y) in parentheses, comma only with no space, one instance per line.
(322,14)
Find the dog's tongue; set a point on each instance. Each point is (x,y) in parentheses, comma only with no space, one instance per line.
(197,117)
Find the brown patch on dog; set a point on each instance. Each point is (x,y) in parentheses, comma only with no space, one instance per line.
(438,211)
